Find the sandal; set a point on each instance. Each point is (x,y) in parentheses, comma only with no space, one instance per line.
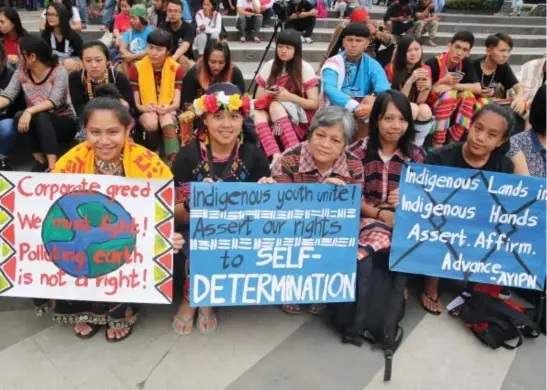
(94,330)
(430,298)
(317,308)
(208,319)
(185,322)
(115,340)
(292,309)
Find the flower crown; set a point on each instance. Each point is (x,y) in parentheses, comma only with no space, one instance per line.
(215,102)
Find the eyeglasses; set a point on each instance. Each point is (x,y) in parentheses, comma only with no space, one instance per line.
(52,15)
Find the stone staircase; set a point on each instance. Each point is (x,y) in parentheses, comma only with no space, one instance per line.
(528,33)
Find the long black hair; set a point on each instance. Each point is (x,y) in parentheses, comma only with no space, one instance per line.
(68,5)
(204,74)
(537,111)
(400,101)
(293,67)
(13,16)
(64,23)
(30,44)
(399,64)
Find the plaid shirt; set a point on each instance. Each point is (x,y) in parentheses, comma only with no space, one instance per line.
(297,165)
(380,178)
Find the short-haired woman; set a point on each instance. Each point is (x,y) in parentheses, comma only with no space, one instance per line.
(323,158)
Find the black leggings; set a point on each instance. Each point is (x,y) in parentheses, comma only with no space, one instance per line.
(47,130)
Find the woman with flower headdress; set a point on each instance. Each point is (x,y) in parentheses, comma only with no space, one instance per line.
(218,153)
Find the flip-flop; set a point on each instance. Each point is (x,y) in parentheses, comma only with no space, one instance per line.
(313,311)
(115,340)
(435,313)
(206,321)
(287,310)
(184,322)
(94,330)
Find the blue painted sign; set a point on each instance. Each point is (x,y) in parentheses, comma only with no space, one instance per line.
(471,225)
(266,244)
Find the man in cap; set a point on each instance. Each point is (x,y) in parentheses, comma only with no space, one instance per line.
(351,79)
(133,42)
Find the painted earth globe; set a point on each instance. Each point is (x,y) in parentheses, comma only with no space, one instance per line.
(88,234)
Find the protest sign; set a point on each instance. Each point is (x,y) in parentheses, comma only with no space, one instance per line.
(86,237)
(471,225)
(265,244)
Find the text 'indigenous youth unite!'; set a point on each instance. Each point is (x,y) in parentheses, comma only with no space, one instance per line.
(275,239)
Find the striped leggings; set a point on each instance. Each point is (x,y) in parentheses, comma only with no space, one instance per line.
(463,104)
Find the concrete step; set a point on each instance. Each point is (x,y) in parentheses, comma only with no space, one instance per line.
(462,18)
(450,27)
(249,68)
(250,51)
(325,34)
(443,38)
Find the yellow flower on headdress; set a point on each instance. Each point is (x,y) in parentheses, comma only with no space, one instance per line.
(235,103)
(199,103)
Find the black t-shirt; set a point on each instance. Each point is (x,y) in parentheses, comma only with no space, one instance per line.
(80,97)
(193,89)
(19,103)
(466,67)
(302,6)
(186,33)
(452,156)
(503,75)
(71,47)
(397,10)
(188,166)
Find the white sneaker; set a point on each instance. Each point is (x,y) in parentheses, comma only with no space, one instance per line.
(302,39)
(308,40)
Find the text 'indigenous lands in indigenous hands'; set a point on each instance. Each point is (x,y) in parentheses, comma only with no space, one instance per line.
(471,225)
(257,244)
(86,237)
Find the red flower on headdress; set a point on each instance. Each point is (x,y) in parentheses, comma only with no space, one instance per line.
(210,103)
(246,105)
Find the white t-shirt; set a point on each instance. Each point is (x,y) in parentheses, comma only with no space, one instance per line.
(212,25)
(75,15)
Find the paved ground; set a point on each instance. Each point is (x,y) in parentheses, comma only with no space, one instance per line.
(255,348)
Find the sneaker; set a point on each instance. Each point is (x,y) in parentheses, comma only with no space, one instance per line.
(257,39)
(5,165)
(303,39)
(308,40)
(242,40)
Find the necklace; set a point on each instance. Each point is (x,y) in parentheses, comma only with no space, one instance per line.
(492,76)
(109,167)
(89,83)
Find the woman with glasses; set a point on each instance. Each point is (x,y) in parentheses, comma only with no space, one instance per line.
(64,42)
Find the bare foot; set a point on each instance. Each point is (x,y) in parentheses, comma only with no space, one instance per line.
(207,320)
(292,309)
(117,333)
(82,329)
(183,321)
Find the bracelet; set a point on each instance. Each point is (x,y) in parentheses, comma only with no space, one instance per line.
(378,214)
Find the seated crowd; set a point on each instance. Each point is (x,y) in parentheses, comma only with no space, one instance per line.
(353,121)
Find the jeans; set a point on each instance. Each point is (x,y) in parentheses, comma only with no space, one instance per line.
(108,16)
(83,11)
(47,130)
(8,135)
(305,25)
(267,16)
(245,23)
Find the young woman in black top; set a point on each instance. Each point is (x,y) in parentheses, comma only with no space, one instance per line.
(65,43)
(490,129)
(218,153)
(96,71)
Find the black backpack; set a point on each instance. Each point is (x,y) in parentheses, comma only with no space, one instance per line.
(378,309)
(495,323)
